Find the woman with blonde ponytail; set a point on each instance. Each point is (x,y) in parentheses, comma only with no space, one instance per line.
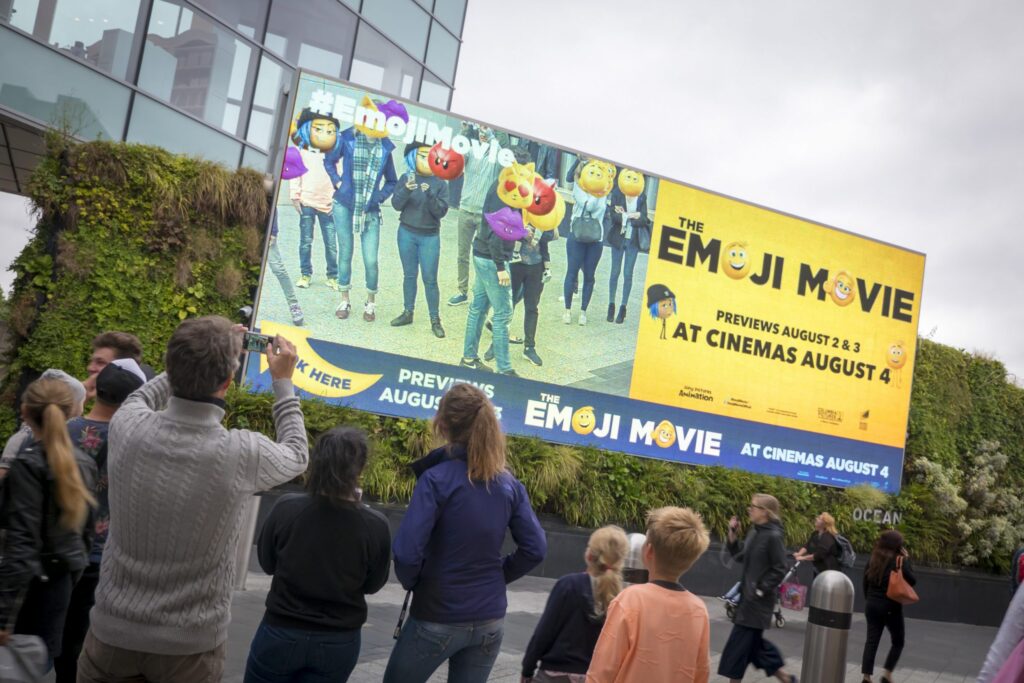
(46,502)
(448,547)
(568,630)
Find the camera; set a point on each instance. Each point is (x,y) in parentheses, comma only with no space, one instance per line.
(255,342)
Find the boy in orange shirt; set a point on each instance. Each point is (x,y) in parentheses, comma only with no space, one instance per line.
(658,631)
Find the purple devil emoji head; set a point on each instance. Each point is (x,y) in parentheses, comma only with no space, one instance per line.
(293,166)
(507,223)
(392,108)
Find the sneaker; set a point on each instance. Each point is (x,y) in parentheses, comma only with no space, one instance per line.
(332,284)
(303,281)
(458,299)
(343,310)
(369,311)
(404,319)
(567,317)
(583,318)
(296,312)
(531,355)
(512,339)
(510,373)
(489,354)
(435,327)
(474,363)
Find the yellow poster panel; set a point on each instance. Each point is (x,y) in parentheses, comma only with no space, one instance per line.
(761,316)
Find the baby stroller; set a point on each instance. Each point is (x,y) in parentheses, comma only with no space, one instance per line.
(792,595)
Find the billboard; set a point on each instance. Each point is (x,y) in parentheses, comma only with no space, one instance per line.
(595,304)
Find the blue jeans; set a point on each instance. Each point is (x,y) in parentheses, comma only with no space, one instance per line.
(630,252)
(289,655)
(583,257)
(369,241)
(487,293)
(421,253)
(309,214)
(276,265)
(470,650)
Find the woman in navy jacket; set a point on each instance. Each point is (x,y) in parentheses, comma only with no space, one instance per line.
(448,548)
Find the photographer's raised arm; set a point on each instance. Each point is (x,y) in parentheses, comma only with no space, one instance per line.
(281,461)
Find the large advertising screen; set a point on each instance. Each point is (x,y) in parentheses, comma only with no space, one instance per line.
(594,303)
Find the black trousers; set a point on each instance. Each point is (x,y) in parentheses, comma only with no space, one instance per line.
(747,646)
(76,624)
(527,287)
(881,614)
(42,612)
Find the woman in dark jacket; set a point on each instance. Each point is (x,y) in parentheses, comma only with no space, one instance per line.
(628,217)
(422,199)
(879,611)
(763,555)
(47,496)
(448,548)
(822,548)
(326,551)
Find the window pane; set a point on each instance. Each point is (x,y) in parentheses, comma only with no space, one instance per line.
(267,102)
(354,4)
(52,89)
(379,64)
(401,20)
(313,34)
(442,53)
(246,16)
(451,12)
(98,31)
(194,64)
(434,92)
(427,4)
(254,159)
(154,124)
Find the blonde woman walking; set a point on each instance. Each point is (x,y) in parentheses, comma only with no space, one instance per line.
(567,632)
(822,548)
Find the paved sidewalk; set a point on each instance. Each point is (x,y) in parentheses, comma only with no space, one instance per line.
(935,652)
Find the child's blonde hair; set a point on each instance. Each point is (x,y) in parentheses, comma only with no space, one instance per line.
(678,538)
(606,553)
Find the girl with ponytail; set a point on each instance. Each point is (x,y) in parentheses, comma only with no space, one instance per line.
(46,502)
(448,547)
(567,632)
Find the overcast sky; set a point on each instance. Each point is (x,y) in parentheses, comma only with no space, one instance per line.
(903,121)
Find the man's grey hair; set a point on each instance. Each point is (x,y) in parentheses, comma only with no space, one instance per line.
(201,355)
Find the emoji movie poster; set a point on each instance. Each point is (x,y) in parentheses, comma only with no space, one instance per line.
(411,249)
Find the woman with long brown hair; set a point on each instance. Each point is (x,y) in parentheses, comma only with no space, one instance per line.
(879,611)
(47,498)
(567,632)
(448,547)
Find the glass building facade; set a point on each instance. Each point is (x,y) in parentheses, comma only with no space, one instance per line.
(204,77)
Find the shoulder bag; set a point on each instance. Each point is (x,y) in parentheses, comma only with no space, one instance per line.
(586,229)
(899,590)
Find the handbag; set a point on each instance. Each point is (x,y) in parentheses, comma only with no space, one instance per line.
(793,595)
(643,237)
(586,229)
(899,590)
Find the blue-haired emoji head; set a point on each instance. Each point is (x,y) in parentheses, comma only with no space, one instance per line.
(416,158)
(661,302)
(316,131)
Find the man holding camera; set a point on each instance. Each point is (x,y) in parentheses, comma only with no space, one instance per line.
(179,482)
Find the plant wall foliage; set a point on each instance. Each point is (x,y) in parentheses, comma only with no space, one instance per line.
(132,238)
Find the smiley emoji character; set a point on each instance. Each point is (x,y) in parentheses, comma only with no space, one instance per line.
(584,420)
(896,356)
(841,289)
(735,261)
(665,434)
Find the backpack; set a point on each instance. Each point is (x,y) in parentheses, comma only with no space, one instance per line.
(847,556)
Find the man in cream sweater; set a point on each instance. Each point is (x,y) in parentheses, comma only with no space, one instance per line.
(179,482)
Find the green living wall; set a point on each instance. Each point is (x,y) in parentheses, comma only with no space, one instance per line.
(130,237)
